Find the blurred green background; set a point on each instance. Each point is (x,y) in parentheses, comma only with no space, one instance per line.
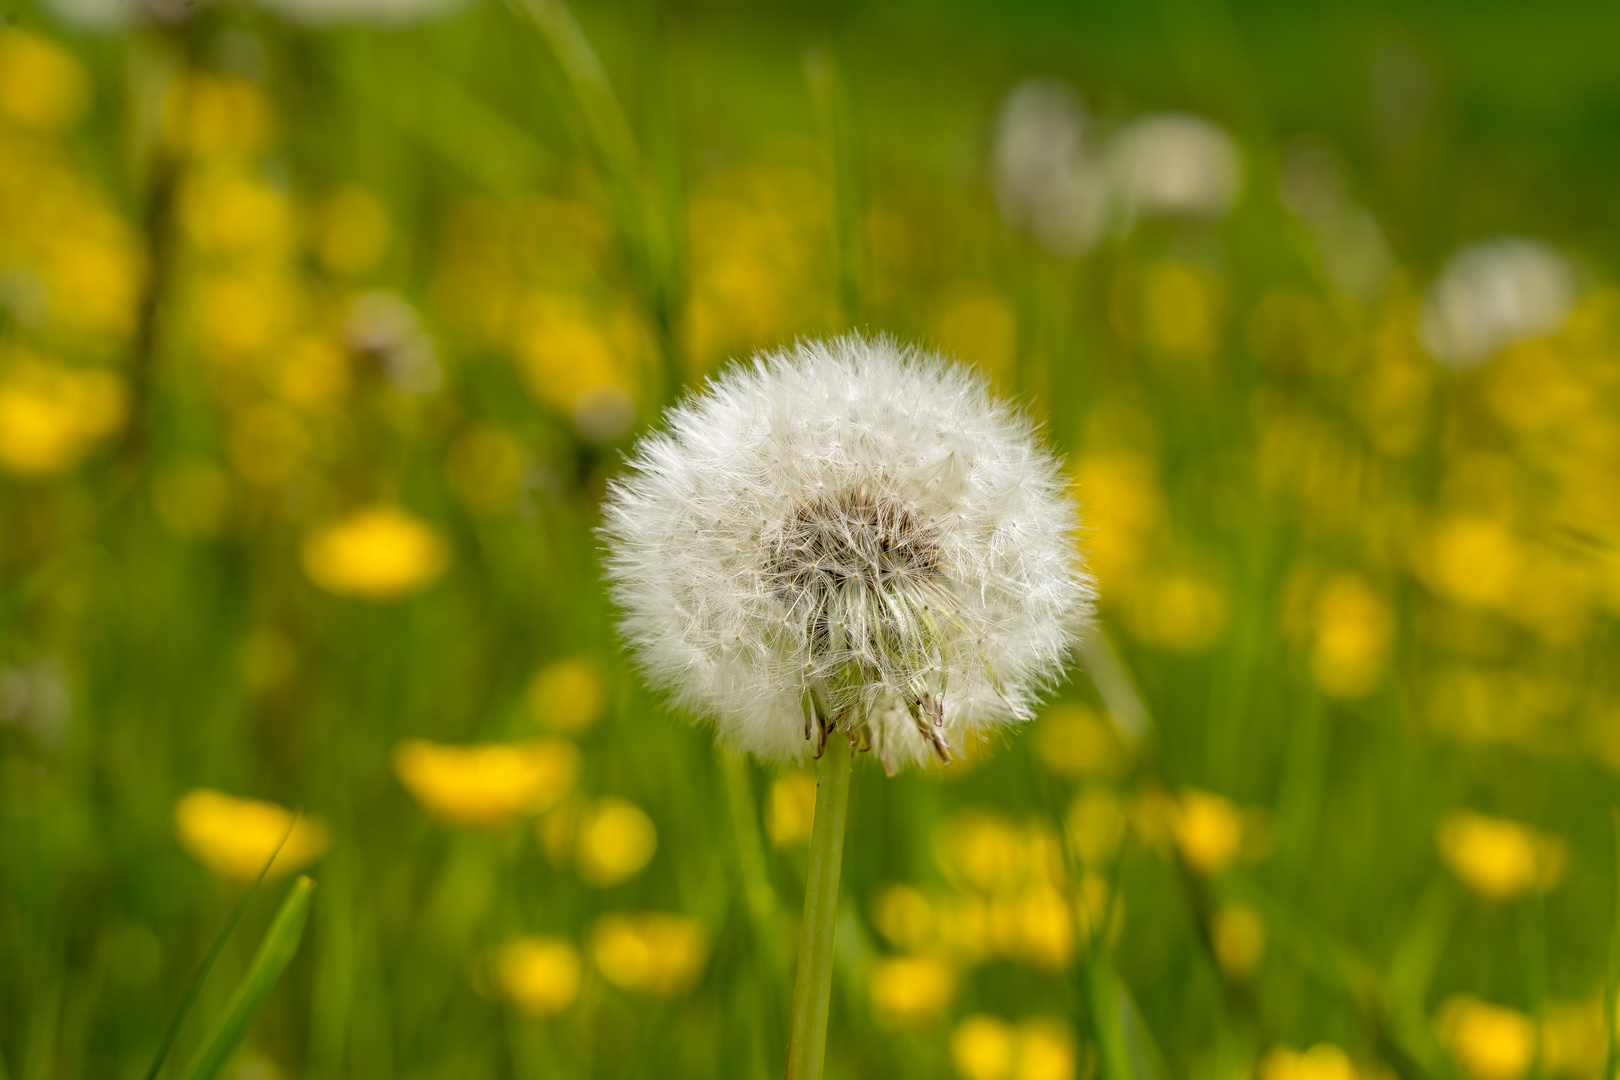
(324,323)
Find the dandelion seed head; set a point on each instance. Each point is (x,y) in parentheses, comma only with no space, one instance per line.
(847,534)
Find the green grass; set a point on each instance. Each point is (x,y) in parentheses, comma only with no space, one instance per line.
(697,182)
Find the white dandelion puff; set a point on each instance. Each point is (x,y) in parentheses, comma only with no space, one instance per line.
(848,535)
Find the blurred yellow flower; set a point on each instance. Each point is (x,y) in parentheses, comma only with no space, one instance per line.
(1094,902)
(1473,561)
(1354,628)
(241,313)
(1124,514)
(904,916)
(567,696)
(989,1048)
(582,360)
(1046,1050)
(42,86)
(1180,612)
(1573,1038)
(378,553)
(51,417)
(1488,1041)
(351,231)
(1181,310)
(651,953)
(1239,938)
(910,990)
(1073,741)
(233,837)
(1324,1061)
(487,784)
(616,839)
(216,116)
(1498,858)
(229,213)
(1207,830)
(541,975)
(758,241)
(983,1048)
(1045,929)
(792,810)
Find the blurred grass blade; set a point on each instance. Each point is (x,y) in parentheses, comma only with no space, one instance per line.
(213,954)
(1125,1047)
(1611,984)
(275,953)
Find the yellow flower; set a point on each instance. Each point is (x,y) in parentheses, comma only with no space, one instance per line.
(1207,829)
(1353,632)
(904,916)
(1497,858)
(1046,1050)
(378,553)
(989,1048)
(1074,742)
(212,116)
(983,1048)
(1239,938)
(487,784)
(582,361)
(1490,1042)
(540,974)
(792,809)
(1045,929)
(1125,513)
(616,839)
(1324,1061)
(234,837)
(1474,561)
(42,85)
(567,696)
(351,232)
(1182,310)
(51,417)
(651,953)
(911,990)
(1180,612)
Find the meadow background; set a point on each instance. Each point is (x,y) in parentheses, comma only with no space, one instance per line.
(323,327)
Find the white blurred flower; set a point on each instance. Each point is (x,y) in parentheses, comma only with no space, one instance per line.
(1174,164)
(35,697)
(349,12)
(848,535)
(386,330)
(1047,177)
(1493,294)
(110,15)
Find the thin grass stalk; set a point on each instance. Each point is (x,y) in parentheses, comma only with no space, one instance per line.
(280,945)
(1611,983)
(812,989)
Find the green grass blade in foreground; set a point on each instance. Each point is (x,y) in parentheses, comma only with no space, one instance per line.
(280,945)
(1611,984)
(812,989)
(213,954)
(1125,1048)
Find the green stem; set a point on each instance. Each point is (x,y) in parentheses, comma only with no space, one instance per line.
(807,1045)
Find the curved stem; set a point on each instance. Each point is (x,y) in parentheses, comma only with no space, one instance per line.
(807,1046)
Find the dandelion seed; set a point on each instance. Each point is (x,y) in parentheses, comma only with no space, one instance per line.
(908,614)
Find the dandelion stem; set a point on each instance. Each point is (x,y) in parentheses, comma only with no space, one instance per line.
(807,1044)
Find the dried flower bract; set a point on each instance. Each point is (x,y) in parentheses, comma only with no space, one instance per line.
(848,535)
